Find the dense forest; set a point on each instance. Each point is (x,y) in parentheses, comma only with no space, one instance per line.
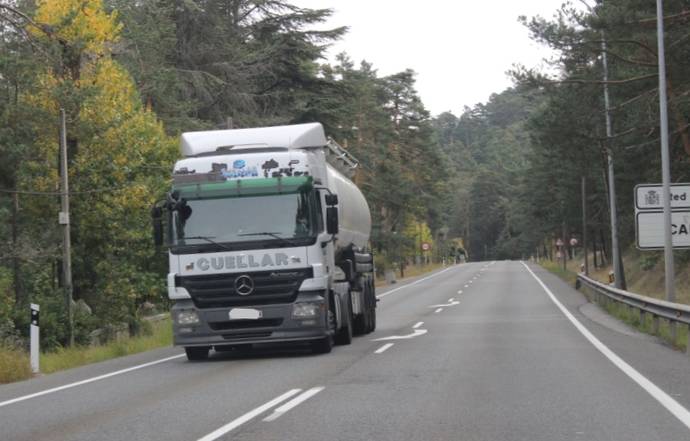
(521,156)
(503,176)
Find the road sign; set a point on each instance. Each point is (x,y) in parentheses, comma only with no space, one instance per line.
(426,246)
(649,229)
(650,197)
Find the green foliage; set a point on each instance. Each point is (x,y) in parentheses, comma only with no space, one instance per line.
(119,160)
(6,295)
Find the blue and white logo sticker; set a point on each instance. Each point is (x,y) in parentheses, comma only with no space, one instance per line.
(239,163)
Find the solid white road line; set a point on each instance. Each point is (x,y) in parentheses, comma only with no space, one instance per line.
(383,348)
(249,416)
(413,283)
(452,299)
(88,380)
(652,389)
(438,310)
(417,325)
(304,396)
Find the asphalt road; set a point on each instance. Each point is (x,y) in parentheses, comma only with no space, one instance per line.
(476,352)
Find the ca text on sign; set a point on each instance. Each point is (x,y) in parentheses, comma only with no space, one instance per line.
(650,229)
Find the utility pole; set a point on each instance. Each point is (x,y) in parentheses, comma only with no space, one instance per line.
(564,247)
(665,162)
(615,247)
(584,223)
(65,222)
(17,281)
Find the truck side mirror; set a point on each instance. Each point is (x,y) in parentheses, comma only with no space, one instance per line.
(157,222)
(332,220)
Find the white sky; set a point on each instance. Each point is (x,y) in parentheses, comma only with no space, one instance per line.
(460,49)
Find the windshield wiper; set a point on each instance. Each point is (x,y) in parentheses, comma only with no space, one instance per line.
(270,233)
(209,240)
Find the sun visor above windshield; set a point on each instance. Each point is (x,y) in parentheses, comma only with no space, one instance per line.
(297,136)
(242,187)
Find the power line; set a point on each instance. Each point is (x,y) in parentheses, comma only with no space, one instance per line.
(60,193)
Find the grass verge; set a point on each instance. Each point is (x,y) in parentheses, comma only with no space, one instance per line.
(630,316)
(14,365)
(412,271)
(66,358)
(557,269)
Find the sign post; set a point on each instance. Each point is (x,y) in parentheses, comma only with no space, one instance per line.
(665,161)
(35,338)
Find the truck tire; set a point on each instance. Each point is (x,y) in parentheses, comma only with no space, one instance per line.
(322,346)
(325,345)
(365,322)
(371,326)
(344,336)
(372,321)
(360,324)
(197,353)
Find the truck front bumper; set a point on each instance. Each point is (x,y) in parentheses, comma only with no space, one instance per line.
(275,324)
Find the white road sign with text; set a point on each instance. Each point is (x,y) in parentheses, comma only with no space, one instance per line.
(650,197)
(650,229)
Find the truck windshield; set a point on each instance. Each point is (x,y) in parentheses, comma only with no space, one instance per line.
(279,220)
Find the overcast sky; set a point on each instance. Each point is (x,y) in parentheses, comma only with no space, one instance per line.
(460,49)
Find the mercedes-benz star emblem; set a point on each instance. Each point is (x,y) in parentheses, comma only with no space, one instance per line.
(244,285)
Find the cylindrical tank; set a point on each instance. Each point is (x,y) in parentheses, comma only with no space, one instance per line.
(354,217)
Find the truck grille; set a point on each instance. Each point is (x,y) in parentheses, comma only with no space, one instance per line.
(218,290)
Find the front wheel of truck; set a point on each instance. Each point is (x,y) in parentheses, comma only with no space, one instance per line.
(344,335)
(322,346)
(197,353)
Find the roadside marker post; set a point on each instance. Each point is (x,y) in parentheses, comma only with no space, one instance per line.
(35,338)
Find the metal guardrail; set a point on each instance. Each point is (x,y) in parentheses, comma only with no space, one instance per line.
(658,309)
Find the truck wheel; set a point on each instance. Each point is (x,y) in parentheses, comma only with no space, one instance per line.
(371,326)
(360,324)
(197,353)
(322,346)
(372,320)
(344,336)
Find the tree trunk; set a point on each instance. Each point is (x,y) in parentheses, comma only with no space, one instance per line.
(594,249)
(604,249)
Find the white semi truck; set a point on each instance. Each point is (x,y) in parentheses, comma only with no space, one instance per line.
(268,241)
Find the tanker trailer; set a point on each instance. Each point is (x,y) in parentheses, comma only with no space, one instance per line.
(267,240)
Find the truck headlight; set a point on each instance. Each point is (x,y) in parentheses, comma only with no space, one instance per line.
(305,310)
(187,317)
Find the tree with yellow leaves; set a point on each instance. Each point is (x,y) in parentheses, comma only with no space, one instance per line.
(119,157)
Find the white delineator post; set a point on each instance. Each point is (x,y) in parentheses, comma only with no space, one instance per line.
(35,338)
